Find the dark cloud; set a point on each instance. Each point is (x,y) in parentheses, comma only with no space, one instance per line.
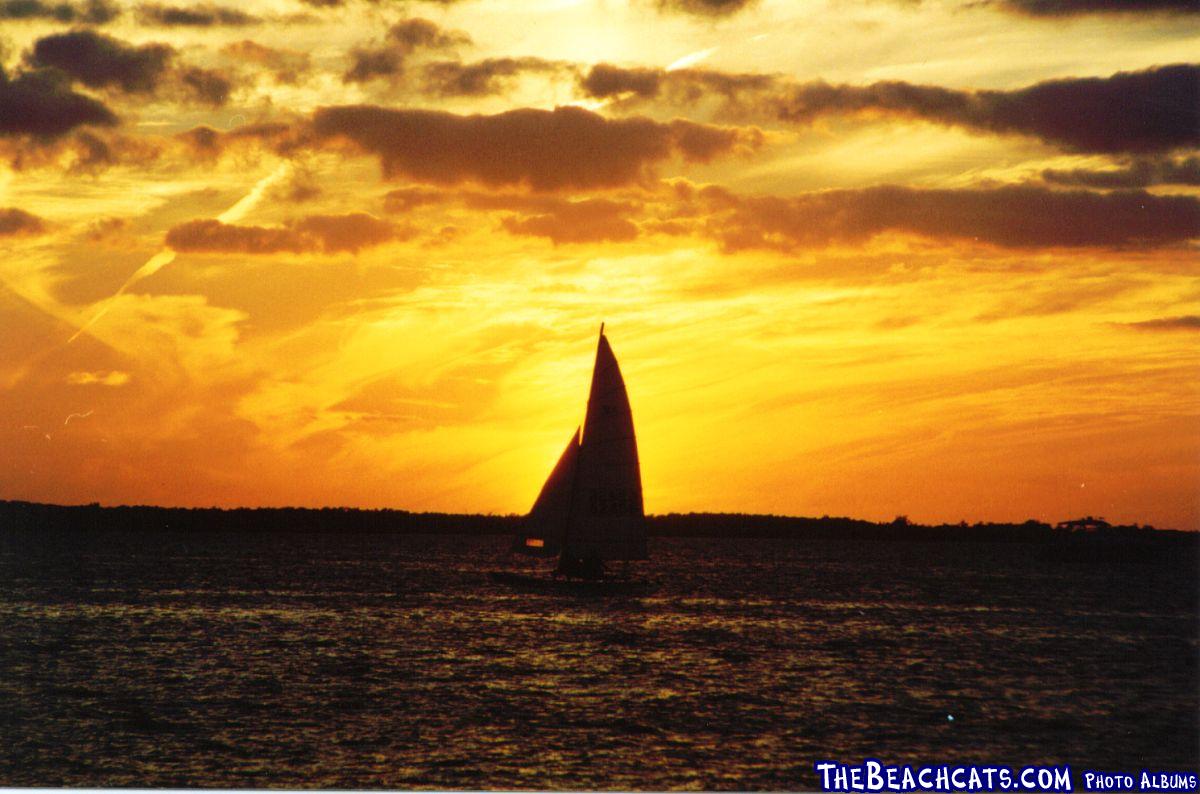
(412,34)
(1149,111)
(702,143)
(679,86)
(201,15)
(408,198)
(19,222)
(41,104)
(95,152)
(560,220)
(1187,322)
(706,8)
(311,234)
(210,236)
(489,76)
(92,12)
(1139,173)
(206,143)
(204,140)
(1013,216)
(586,221)
(100,61)
(347,232)
(1064,8)
(1023,216)
(84,151)
(286,66)
(605,80)
(1155,110)
(90,152)
(403,39)
(367,64)
(206,85)
(544,150)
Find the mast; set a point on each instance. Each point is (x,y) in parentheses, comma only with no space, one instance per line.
(590,508)
(574,472)
(607,520)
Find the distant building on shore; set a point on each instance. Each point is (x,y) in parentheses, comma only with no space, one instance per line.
(1088,524)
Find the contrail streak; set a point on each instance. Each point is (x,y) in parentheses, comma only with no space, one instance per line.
(164,257)
(691,59)
(251,199)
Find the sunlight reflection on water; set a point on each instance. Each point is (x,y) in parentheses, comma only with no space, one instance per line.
(392,662)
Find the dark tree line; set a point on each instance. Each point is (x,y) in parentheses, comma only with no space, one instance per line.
(34,517)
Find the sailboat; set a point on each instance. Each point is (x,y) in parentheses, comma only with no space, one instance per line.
(589,512)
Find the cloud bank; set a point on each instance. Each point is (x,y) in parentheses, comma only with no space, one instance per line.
(566,148)
(311,234)
(1154,110)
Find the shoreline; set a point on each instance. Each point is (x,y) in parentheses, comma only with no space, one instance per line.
(35,516)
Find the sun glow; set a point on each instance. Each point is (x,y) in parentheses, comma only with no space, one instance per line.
(363,261)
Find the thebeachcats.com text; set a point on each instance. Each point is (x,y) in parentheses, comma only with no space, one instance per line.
(872,775)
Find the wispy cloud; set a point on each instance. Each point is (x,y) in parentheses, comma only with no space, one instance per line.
(1187,322)
(166,256)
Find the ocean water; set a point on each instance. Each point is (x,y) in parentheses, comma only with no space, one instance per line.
(393,662)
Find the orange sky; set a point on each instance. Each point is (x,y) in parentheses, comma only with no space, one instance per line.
(923,257)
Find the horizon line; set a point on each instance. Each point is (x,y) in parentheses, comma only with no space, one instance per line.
(900,519)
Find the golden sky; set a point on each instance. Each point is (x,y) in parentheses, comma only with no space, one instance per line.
(856,257)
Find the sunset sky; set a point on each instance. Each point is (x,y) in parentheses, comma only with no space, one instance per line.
(856,257)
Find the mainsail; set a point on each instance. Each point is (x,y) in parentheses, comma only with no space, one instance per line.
(590,508)
(607,520)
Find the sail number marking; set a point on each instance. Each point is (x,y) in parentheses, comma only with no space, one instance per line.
(613,502)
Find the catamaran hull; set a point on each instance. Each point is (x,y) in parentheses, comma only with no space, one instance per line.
(590,509)
(572,587)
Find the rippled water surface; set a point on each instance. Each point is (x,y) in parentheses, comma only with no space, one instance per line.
(393,662)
